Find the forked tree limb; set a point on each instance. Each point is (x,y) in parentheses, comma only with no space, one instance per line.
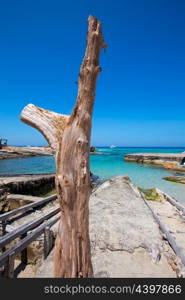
(49,123)
(71,140)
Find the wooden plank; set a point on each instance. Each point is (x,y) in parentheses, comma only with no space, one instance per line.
(25,227)
(24,208)
(27,240)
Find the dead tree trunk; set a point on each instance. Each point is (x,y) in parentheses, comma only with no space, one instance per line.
(69,136)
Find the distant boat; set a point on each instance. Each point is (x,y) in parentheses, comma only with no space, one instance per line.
(112,146)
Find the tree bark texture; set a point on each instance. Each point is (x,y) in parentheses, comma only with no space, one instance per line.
(69,137)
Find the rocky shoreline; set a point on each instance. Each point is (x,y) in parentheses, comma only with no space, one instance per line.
(11,152)
(23,152)
(171,161)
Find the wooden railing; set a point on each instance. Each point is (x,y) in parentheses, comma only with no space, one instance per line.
(27,233)
(25,208)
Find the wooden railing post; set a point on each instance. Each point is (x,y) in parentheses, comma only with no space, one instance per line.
(3,227)
(47,241)
(24,253)
(9,267)
(3,232)
(7,258)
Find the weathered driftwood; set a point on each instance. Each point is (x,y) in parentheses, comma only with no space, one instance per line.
(172,201)
(69,136)
(178,250)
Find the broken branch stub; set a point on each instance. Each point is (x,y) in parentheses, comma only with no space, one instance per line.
(70,137)
(49,123)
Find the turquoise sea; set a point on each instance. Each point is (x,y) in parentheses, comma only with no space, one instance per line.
(107,166)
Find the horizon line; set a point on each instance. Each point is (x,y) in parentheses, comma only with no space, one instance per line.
(104,146)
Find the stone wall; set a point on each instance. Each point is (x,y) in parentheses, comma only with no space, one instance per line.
(34,185)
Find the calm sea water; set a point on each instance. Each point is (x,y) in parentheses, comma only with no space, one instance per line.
(107,166)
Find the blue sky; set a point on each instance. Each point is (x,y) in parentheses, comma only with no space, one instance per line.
(140,95)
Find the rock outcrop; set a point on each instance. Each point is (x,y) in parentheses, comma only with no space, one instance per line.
(23,152)
(178,179)
(4,204)
(126,241)
(172,161)
(28,184)
(15,200)
(34,185)
(154,156)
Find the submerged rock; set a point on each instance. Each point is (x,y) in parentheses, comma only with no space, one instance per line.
(151,194)
(178,179)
